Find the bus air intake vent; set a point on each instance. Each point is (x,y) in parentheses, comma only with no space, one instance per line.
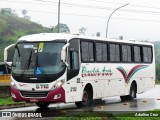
(33,94)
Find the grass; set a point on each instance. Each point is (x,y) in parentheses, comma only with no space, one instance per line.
(137,118)
(7,100)
(157,82)
(78,118)
(109,116)
(85,116)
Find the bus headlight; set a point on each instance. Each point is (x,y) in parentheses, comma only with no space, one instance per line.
(58,84)
(12,84)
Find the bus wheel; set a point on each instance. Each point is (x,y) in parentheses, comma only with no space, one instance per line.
(87,99)
(42,104)
(132,94)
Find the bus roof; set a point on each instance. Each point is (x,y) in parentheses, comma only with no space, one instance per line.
(66,36)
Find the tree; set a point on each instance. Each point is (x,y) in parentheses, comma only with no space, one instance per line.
(52,29)
(157,52)
(157,58)
(82,30)
(121,37)
(27,17)
(24,13)
(3,25)
(6,10)
(63,28)
(98,34)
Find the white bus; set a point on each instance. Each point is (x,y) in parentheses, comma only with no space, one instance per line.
(55,67)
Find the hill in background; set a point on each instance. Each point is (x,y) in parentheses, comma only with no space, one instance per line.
(157,57)
(12,27)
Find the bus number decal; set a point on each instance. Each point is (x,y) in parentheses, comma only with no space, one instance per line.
(42,86)
(73,89)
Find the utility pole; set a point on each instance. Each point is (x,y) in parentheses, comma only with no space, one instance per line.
(111,15)
(59,16)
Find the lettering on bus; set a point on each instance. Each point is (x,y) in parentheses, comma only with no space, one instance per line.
(73,89)
(96,72)
(42,86)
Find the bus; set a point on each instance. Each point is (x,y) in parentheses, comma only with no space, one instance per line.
(57,67)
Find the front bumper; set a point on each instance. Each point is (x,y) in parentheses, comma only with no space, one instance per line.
(53,96)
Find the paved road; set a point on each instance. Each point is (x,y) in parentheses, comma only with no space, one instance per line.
(146,101)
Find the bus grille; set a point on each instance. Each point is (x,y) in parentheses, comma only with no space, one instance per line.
(33,94)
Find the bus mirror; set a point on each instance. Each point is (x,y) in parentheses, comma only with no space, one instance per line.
(63,54)
(8,54)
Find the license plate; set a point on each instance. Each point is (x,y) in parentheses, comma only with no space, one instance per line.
(33,100)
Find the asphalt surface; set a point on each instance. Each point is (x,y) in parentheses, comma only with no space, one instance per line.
(149,100)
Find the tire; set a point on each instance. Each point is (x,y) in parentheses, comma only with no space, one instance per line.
(124,98)
(43,105)
(87,99)
(132,94)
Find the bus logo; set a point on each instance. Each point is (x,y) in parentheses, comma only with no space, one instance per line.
(128,76)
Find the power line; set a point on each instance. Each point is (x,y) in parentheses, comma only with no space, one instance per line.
(157,21)
(29,2)
(45,1)
(93,7)
(99,7)
(107,2)
(80,15)
(121,4)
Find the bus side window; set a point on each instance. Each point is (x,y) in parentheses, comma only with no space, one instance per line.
(147,54)
(114,53)
(73,59)
(73,68)
(137,54)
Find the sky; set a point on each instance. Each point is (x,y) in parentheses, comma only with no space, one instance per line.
(139,20)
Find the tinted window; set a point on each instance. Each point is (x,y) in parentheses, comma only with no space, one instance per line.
(114,53)
(87,51)
(101,52)
(73,60)
(147,54)
(137,54)
(126,53)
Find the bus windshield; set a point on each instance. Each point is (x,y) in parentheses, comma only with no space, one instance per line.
(38,58)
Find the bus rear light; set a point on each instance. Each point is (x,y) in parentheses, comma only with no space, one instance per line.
(57,96)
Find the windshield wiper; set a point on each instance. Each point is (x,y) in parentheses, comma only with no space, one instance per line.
(17,50)
(27,64)
(14,65)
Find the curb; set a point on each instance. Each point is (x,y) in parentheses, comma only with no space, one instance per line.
(9,106)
